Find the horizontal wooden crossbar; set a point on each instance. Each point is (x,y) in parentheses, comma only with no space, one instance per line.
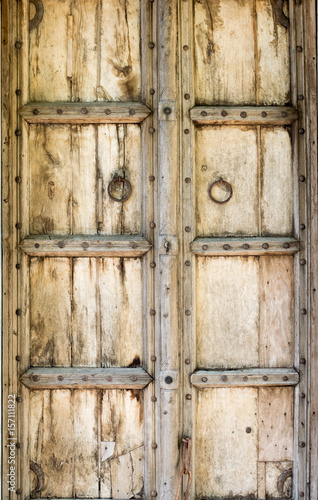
(81,112)
(251,377)
(245,115)
(245,246)
(86,378)
(85,246)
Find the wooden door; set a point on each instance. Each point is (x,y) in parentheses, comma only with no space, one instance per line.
(155,249)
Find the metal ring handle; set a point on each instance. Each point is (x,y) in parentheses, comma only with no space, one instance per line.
(126,183)
(224,183)
(33,23)
(281,480)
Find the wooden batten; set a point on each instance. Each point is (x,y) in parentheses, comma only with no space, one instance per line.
(245,115)
(253,246)
(86,378)
(252,377)
(85,246)
(85,112)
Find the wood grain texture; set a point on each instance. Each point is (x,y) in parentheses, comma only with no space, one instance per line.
(215,246)
(276,311)
(251,377)
(226,455)
(254,115)
(276,424)
(224,76)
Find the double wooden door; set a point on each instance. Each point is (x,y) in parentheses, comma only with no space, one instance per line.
(155,248)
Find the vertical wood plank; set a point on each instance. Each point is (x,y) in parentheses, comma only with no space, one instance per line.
(85,324)
(50,312)
(224,75)
(276,414)
(121,311)
(276,311)
(51,179)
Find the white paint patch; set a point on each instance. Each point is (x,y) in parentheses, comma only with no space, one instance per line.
(107,448)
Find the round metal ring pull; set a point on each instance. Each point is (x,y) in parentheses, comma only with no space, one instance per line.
(119,189)
(222,189)
(33,23)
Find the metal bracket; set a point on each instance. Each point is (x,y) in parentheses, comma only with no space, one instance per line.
(279,13)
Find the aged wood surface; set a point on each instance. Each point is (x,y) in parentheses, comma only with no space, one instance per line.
(253,246)
(85,112)
(252,377)
(252,115)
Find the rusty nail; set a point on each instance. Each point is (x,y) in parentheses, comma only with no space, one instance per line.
(245,379)
(107,111)
(152,91)
(303,311)
(187,180)
(133,378)
(61,244)
(286,245)
(18,133)
(301,131)
(243,114)
(186,47)
(154,446)
(302,395)
(263,114)
(302,226)
(302,262)
(84,111)
(226,247)
(302,444)
(153,399)
(265,377)
(37,245)
(187,263)
(60,378)
(133,245)
(109,245)
(152,130)
(285,378)
(19,445)
(18,92)
(283,114)
(18,45)
(223,113)
(186,131)
(246,246)
(265,246)
(152,264)
(35,378)
(299,48)
(18,266)
(154,493)
(188,397)
(152,312)
(168,380)
(35,111)
(302,178)
(85,245)
(18,399)
(188,313)
(109,378)
(302,361)
(18,312)
(187,96)
(153,358)
(203,113)
(248,430)
(132,111)
(187,361)
(18,179)
(301,494)
(18,492)
(18,225)
(187,229)
(204,379)
(85,378)
(18,358)
(167,110)
(151,178)
(204,247)
(224,378)
(59,111)
(152,225)
(151,45)
(300,97)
